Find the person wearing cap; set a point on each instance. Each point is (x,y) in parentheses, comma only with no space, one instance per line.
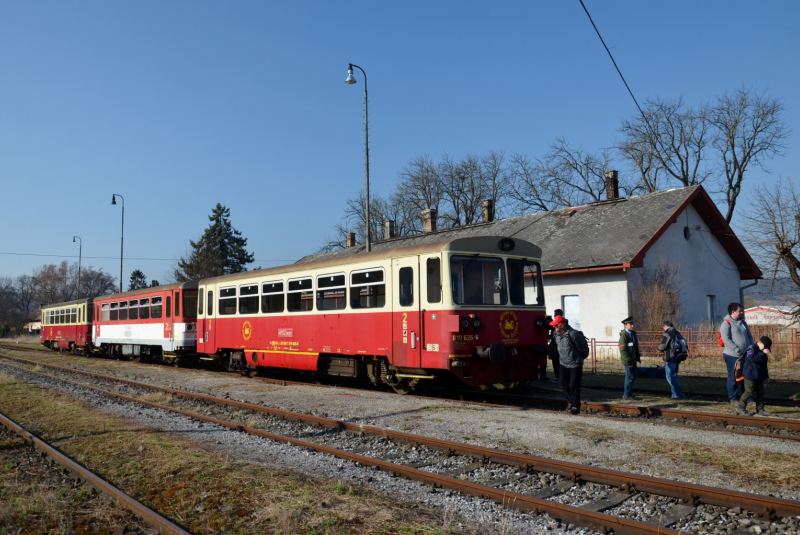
(572,350)
(755,373)
(552,348)
(629,355)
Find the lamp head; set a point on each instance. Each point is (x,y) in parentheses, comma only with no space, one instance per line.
(113,199)
(350,79)
(73,239)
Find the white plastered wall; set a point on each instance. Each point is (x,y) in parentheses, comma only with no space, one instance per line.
(705,268)
(603,297)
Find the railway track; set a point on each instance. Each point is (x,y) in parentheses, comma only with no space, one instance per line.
(770,427)
(147,515)
(596,498)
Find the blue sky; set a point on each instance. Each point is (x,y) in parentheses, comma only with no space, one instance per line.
(180,105)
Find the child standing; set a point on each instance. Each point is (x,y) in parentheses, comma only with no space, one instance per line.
(755,373)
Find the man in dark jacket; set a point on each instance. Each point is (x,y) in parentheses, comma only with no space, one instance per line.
(572,349)
(671,362)
(755,373)
(552,348)
(629,355)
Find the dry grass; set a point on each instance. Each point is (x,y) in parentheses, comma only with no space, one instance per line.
(746,464)
(203,490)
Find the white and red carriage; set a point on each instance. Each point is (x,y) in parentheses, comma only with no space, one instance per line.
(470,309)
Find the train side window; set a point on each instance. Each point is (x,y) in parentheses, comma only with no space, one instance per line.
(133,309)
(114,311)
(367,289)
(104,313)
(144,309)
(524,282)
(434,270)
(55,317)
(227,301)
(406,287)
(300,295)
(80,315)
(210,300)
(177,304)
(272,297)
(123,310)
(155,307)
(199,302)
(169,306)
(248,299)
(331,292)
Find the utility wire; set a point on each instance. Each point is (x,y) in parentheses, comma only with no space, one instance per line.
(126,258)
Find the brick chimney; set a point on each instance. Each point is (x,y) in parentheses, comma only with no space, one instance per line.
(351,239)
(487,206)
(388,227)
(612,185)
(429,220)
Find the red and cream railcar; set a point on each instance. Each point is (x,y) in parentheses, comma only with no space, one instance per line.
(468,308)
(147,323)
(67,325)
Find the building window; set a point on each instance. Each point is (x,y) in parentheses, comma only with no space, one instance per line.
(300,297)
(711,305)
(331,292)
(367,289)
(571,305)
(272,297)
(227,301)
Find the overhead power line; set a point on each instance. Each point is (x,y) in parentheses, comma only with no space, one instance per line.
(126,258)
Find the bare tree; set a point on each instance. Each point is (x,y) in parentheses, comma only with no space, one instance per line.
(655,297)
(772,232)
(749,130)
(574,176)
(669,139)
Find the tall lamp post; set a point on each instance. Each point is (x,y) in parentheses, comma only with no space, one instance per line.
(80,254)
(351,80)
(122,235)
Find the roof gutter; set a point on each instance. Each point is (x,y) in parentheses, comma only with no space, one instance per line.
(623,267)
(743,288)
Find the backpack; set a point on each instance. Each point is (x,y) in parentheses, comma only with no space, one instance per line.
(720,341)
(738,371)
(680,350)
(579,343)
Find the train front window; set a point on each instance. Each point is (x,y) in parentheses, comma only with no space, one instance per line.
(525,282)
(478,280)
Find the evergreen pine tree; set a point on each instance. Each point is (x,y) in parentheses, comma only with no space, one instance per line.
(138,280)
(219,251)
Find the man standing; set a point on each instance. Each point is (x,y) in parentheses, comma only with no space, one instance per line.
(672,359)
(572,349)
(552,348)
(629,355)
(736,338)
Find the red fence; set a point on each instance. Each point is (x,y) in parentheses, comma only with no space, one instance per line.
(705,354)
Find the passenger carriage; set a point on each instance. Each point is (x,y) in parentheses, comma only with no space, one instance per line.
(148,323)
(470,309)
(67,325)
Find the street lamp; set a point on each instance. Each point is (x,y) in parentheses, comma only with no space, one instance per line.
(351,80)
(80,253)
(122,235)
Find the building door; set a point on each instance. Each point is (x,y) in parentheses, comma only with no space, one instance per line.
(572,310)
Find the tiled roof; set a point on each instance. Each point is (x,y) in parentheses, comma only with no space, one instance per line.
(608,233)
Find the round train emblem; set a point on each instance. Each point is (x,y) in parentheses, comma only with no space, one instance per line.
(509,324)
(247,330)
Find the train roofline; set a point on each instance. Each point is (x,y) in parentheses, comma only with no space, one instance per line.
(80,301)
(190,285)
(522,248)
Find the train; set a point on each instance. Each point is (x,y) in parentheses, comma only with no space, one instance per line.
(465,311)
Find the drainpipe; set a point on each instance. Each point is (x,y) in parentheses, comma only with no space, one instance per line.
(743,288)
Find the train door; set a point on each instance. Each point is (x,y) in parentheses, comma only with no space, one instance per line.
(406,304)
(201,320)
(165,312)
(210,327)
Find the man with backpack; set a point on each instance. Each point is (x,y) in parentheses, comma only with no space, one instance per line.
(572,350)
(735,338)
(755,374)
(630,355)
(675,351)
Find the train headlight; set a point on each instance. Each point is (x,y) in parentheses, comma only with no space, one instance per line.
(458,363)
(539,323)
(506,245)
(476,323)
(464,323)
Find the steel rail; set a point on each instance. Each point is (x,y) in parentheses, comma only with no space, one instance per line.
(150,517)
(765,506)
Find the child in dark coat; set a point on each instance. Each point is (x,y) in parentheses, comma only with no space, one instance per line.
(755,373)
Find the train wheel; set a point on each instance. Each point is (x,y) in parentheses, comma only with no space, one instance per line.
(403,388)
